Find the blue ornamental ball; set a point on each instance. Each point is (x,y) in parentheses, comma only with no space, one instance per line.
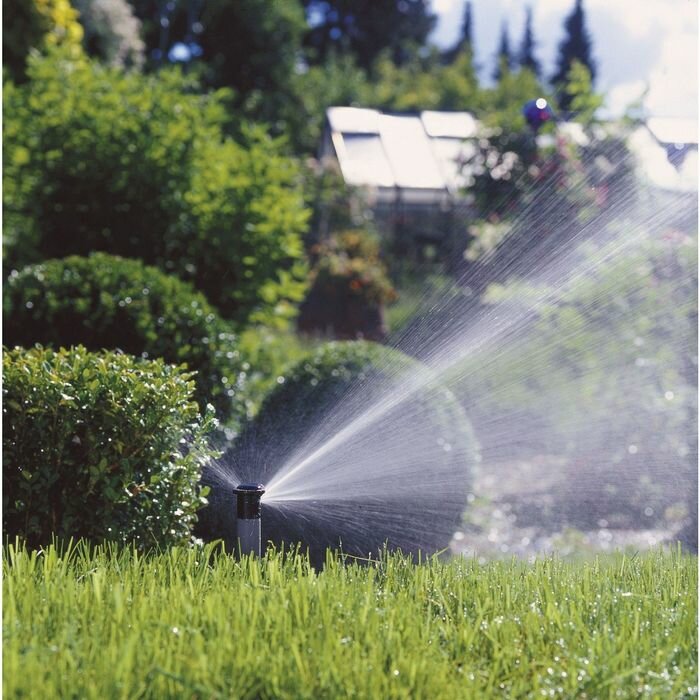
(537,112)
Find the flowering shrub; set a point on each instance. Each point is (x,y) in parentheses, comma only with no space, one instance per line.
(349,286)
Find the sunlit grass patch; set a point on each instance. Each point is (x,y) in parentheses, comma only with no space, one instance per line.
(110,623)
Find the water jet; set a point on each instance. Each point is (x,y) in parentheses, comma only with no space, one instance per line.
(248,516)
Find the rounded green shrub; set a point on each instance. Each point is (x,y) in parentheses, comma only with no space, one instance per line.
(98,159)
(100,445)
(107,302)
(406,448)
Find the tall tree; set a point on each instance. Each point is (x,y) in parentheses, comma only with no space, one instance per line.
(466,37)
(527,47)
(504,58)
(366,28)
(252,46)
(575,46)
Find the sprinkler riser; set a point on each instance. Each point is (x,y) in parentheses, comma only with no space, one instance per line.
(248,532)
(248,515)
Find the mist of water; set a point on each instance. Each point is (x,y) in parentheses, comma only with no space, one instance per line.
(580,358)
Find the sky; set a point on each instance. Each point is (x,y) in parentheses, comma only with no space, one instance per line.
(638,44)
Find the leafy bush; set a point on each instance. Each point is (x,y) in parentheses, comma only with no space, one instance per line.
(349,287)
(268,354)
(106,302)
(101,160)
(313,401)
(101,446)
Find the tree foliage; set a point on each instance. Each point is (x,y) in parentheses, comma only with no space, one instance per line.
(504,56)
(426,83)
(338,81)
(253,46)
(137,166)
(526,57)
(575,46)
(466,36)
(366,28)
(111,32)
(36,25)
(582,100)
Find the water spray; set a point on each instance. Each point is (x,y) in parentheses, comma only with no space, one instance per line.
(248,512)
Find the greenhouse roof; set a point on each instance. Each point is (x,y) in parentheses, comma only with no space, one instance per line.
(421,152)
(422,155)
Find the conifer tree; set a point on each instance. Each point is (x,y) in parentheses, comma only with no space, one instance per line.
(466,38)
(504,58)
(527,47)
(575,46)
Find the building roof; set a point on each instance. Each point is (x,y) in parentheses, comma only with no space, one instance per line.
(423,154)
(419,152)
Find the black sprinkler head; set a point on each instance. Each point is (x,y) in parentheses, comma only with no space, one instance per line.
(248,500)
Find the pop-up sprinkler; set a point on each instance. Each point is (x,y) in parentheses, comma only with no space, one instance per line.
(248,511)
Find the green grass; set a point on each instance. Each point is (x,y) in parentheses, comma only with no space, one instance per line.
(198,624)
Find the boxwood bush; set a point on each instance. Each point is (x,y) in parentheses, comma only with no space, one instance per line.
(100,445)
(107,302)
(320,395)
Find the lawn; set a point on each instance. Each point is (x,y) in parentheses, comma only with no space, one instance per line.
(195,623)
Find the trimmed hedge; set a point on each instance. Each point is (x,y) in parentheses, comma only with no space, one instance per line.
(101,446)
(107,302)
(311,403)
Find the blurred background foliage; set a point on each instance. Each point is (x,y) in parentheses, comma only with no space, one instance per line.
(617,345)
(140,166)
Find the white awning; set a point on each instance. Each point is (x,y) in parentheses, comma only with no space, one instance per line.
(354,120)
(362,160)
(410,156)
